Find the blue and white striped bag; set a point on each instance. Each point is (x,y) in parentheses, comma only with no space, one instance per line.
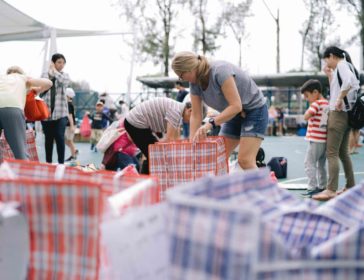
(242,226)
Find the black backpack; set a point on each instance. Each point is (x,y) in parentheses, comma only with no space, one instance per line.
(356,113)
(279,166)
(260,158)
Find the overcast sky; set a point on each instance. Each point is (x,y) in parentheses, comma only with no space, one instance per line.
(104,61)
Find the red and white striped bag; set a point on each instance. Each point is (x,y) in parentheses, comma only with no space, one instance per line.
(63,218)
(6,152)
(108,182)
(183,161)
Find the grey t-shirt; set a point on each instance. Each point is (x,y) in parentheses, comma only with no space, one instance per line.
(213,96)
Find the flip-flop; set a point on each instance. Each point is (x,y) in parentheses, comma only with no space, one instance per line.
(324,196)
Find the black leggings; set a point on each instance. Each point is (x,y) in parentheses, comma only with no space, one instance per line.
(55,130)
(142,138)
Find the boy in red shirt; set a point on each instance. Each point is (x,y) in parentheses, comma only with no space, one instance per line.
(316,134)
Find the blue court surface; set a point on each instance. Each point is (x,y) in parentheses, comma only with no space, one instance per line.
(294,149)
(291,147)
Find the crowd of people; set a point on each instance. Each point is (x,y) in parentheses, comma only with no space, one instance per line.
(222,99)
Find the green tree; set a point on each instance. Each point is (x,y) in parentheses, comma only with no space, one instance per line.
(315,31)
(234,16)
(205,33)
(355,7)
(153,25)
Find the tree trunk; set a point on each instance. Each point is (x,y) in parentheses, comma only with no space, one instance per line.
(239,41)
(203,26)
(278,43)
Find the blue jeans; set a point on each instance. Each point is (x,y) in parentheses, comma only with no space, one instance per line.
(186,130)
(55,130)
(123,160)
(253,125)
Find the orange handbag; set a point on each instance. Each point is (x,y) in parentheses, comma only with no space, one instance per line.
(35,108)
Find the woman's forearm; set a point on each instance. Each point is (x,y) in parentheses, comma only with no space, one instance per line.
(343,93)
(195,123)
(229,112)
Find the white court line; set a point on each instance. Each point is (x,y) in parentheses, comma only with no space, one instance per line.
(303,178)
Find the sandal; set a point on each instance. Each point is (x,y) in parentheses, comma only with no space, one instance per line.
(341,191)
(324,196)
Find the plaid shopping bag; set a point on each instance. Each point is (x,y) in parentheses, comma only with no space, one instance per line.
(124,193)
(293,238)
(210,237)
(183,161)
(63,219)
(6,152)
(110,182)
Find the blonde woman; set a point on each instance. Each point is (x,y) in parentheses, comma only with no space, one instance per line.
(13,89)
(243,113)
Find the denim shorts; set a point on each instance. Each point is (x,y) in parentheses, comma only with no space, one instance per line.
(253,125)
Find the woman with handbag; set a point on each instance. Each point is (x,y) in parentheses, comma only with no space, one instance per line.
(338,67)
(54,128)
(13,89)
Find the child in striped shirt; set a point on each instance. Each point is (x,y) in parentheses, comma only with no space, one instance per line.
(316,134)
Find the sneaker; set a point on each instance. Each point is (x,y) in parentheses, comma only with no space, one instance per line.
(311,192)
(70,158)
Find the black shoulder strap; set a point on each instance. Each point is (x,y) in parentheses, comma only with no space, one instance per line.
(347,105)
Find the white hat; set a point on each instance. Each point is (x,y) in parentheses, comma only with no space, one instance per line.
(70,92)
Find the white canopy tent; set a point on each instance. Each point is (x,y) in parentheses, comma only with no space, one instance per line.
(17,26)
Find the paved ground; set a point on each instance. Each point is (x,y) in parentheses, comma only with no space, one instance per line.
(294,148)
(291,147)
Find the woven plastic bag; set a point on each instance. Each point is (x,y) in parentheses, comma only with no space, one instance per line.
(63,217)
(7,153)
(242,226)
(183,161)
(110,183)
